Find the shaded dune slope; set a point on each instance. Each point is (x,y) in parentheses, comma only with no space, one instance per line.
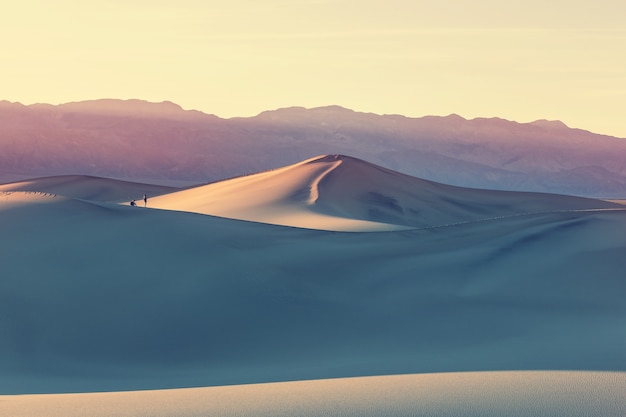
(337,192)
(100,296)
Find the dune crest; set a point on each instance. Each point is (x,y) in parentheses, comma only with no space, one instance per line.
(314,193)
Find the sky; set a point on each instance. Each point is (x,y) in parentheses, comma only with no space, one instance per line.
(521,61)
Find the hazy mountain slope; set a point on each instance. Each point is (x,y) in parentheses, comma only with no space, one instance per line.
(134,139)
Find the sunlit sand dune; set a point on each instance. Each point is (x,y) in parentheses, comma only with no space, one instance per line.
(337,192)
(485,394)
(101,296)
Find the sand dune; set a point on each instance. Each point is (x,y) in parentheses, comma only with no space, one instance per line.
(485,394)
(88,188)
(100,296)
(336,192)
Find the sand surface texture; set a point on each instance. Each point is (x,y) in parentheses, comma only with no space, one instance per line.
(330,268)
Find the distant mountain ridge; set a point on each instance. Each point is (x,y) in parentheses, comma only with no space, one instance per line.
(135,139)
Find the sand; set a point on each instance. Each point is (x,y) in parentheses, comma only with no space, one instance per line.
(484,394)
(101,296)
(340,193)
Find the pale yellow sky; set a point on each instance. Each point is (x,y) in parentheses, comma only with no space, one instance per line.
(517,60)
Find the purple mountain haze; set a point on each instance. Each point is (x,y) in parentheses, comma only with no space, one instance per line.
(134,139)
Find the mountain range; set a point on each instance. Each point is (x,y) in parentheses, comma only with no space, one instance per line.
(161,142)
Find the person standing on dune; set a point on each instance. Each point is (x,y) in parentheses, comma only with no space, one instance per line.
(145,200)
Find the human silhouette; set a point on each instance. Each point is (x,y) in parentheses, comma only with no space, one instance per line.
(145,200)
(132,203)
